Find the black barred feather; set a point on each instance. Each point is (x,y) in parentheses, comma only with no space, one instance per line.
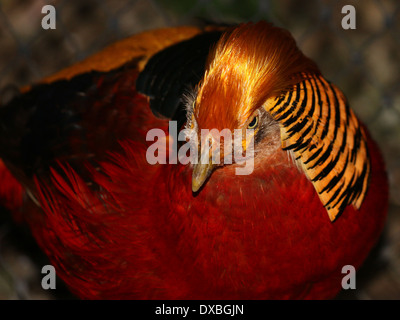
(327,140)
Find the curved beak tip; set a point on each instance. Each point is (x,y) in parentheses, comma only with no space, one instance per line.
(200,174)
(195,186)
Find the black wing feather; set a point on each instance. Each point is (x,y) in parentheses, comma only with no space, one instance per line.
(174,70)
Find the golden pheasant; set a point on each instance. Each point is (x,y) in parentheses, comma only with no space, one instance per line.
(118,225)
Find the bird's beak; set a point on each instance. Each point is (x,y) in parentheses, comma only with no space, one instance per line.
(205,166)
(200,174)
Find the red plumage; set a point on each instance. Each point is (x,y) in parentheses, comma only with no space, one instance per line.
(137,231)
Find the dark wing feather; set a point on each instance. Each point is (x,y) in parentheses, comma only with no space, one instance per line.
(68,120)
(172,72)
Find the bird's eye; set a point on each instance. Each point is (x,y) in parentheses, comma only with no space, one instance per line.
(253,123)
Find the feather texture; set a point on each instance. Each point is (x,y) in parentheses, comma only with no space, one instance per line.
(116,227)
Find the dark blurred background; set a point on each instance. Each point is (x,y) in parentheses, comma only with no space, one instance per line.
(364,63)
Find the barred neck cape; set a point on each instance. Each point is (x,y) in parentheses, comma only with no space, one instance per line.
(327,140)
(259,64)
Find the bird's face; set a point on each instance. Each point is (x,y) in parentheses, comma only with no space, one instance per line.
(228,117)
(248,69)
(259,134)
